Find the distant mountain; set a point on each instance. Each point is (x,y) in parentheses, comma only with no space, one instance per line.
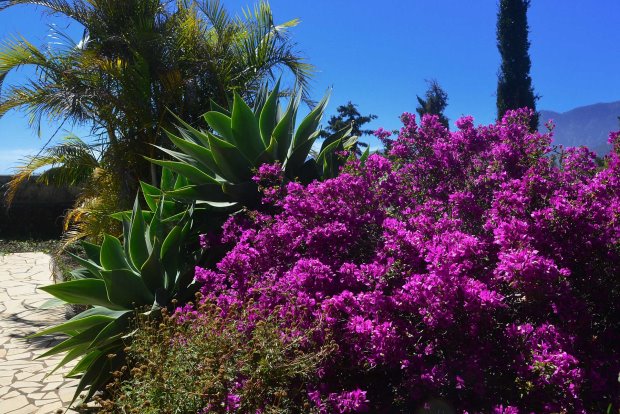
(587,125)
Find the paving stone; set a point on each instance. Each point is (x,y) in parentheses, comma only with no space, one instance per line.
(24,410)
(48,408)
(10,394)
(23,386)
(5,381)
(14,403)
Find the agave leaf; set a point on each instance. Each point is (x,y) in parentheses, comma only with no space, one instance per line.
(339,135)
(111,331)
(221,207)
(299,155)
(100,311)
(170,255)
(260,99)
(112,254)
(283,132)
(155,228)
(52,303)
(138,250)
(212,192)
(218,108)
(74,353)
(188,136)
(174,218)
(350,142)
(84,337)
(328,150)
(221,124)
(92,267)
(196,133)
(269,155)
(152,271)
(93,251)
(364,156)
(82,273)
(126,289)
(232,164)
(166,181)
(85,362)
(75,325)
(307,127)
(193,173)
(98,368)
(81,292)
(121,216)
(151,193)
(245,129)
(198,152)
(308,172)
(182,157)
(180,182)
(246,192)
(268,115)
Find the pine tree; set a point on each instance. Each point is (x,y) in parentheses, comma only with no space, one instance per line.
(435,102)
(349,115)
(514,87)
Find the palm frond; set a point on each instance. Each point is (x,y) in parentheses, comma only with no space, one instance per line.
(69,163)
(76,9)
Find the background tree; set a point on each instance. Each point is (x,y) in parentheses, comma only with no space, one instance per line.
(138,61)
(349,115)
(435,102)
(514,86)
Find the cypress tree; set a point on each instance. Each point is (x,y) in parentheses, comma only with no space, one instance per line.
(514,86)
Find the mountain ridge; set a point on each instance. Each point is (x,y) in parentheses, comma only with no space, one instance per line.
(587,125)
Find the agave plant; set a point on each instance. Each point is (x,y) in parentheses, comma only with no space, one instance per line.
(219,163)
(144,273)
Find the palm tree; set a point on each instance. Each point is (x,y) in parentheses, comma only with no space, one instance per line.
(76,163)
(137,61)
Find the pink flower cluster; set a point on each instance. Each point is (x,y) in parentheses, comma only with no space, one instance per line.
(476,267)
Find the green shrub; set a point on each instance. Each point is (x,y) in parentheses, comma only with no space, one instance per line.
(190,366)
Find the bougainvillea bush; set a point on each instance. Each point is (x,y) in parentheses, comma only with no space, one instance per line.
(477,269)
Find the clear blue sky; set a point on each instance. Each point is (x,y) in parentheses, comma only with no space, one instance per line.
(378,54)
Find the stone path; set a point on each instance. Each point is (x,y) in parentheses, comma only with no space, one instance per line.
(23,386)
